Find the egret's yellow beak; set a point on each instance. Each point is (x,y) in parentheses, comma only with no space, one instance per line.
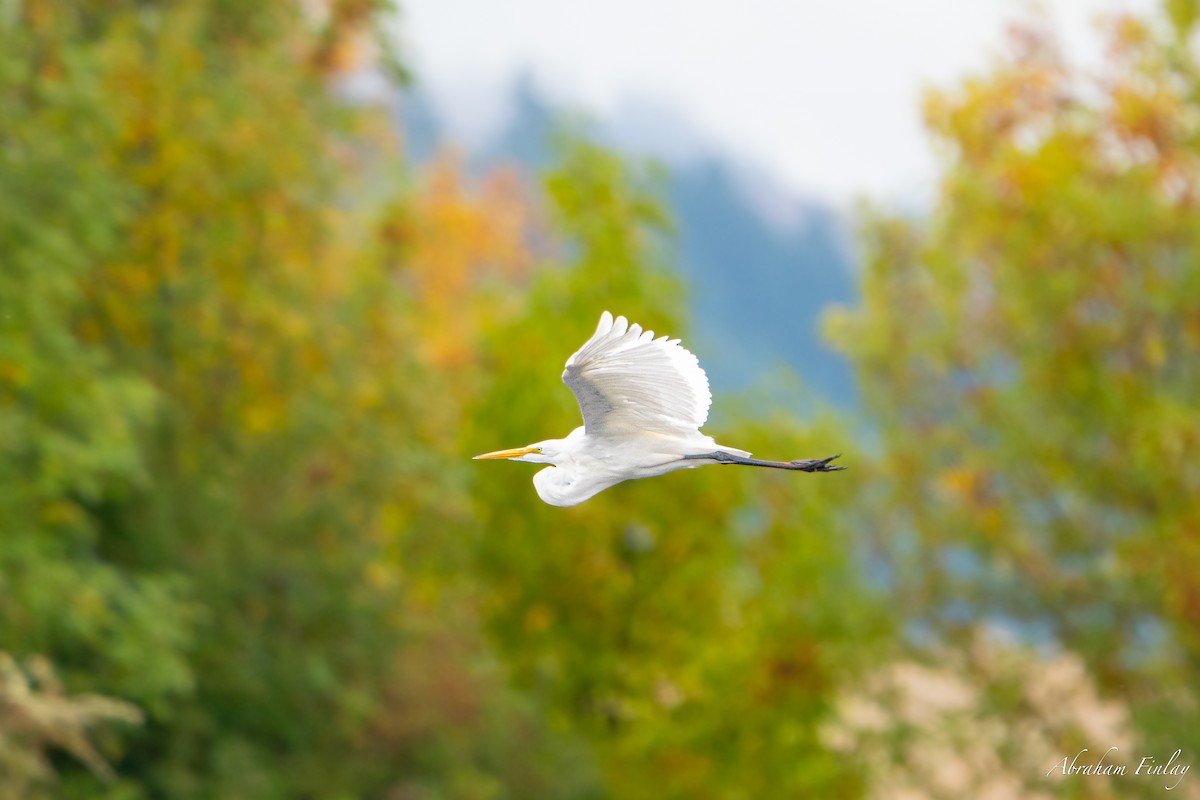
(515,452)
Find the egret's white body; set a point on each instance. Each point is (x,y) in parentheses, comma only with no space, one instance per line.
(643,401)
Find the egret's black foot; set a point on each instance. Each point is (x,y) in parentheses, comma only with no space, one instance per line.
(817,464)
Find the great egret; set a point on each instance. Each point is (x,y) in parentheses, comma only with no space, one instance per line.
(643,401)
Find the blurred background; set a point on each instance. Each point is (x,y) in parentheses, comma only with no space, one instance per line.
(273,272)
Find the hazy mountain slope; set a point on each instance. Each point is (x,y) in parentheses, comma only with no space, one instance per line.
(759,288)
(761,265)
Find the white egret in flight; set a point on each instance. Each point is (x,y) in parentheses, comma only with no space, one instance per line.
(643,402)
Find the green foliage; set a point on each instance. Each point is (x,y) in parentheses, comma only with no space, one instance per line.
(1030,354)
(71,414)
(220,457)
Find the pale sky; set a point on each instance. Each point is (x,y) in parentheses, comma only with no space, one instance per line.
(824,95)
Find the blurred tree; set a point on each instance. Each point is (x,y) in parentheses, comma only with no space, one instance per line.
(1030,355)
(225,446)
(72,414)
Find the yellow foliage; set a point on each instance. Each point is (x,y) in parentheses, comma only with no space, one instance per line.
(462,242)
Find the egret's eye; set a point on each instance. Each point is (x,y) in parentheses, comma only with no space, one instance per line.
(537,450)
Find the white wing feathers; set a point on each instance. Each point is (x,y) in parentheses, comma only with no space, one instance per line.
(625,380)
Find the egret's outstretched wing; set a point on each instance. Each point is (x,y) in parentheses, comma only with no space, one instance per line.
(625,379)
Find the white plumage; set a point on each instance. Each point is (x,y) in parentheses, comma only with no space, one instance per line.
(626,380)
(643,401)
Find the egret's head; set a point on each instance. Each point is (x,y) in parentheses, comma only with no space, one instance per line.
(538,453)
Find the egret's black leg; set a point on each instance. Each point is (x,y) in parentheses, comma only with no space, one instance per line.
(803,465)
